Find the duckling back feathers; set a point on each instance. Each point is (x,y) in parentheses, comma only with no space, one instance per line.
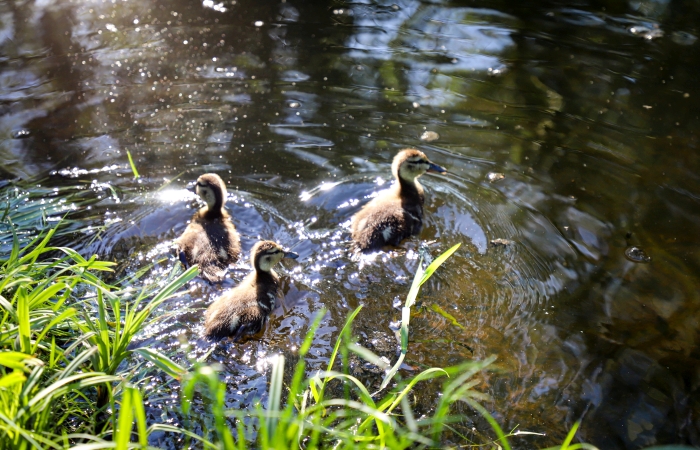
(244,309)
(210,240)
(398,212)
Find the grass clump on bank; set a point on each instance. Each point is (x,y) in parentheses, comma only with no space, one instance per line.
(63,336)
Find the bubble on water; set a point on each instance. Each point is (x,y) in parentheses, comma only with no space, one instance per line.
(637,254)
(21,134)
(429,136)
(645,32)
(494,176)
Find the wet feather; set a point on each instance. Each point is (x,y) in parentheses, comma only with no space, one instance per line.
(244,309)
(210,240)
(397,213)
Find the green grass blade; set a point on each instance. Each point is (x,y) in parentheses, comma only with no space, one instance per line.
(131,163)
(163,362)
(364,393)
(368,355)
(12,379)
(25,329)
(15,245)
(140,416)
(40,297)
(64,385)
(419,278)
(65,315)
(173,286)
(273,406)
(438,262)
(489,418)
(16,360)
(75,363)
(125,422)
(435,307)
(570,436)
(346,327)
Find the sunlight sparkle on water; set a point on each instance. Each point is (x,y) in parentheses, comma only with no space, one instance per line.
(265,361)
(324,186)
(215,6)
(173,196)
(75,172)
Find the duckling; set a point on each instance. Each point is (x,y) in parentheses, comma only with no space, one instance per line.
(244,309)
(210,240)
(397,213)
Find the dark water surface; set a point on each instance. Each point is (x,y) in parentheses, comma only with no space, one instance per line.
(568,128)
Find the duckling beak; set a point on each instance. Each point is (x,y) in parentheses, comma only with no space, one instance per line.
(434,168)
(192,187)
(291,255)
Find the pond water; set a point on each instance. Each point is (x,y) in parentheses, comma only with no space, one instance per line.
(569,130)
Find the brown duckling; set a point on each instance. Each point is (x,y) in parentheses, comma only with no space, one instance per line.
(397,213)
(244,309)
(210,240)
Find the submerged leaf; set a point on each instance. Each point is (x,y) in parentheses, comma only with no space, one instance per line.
(435,307)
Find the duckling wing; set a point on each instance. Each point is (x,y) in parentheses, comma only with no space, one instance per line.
(235,314)
(224,239)
(379,224)
(210,245)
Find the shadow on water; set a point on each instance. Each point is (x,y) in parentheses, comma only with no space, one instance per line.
(569,133)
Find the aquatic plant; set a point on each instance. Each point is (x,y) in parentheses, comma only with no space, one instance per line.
(61,343)
(132,165)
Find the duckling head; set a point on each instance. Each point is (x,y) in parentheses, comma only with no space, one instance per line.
(212,189)
(266,254)
(410,163)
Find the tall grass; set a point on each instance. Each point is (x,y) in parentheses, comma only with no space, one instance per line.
(63,334)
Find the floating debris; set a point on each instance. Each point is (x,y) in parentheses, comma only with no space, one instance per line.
(429,136)
(501,242)
(493,72)
(494,176)
(647,32)
(21,134)
(636,254)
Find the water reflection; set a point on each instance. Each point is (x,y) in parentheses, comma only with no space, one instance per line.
(569,134)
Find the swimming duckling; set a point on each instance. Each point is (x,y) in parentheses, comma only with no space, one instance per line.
(210,240)
(244,309)
(397,213)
